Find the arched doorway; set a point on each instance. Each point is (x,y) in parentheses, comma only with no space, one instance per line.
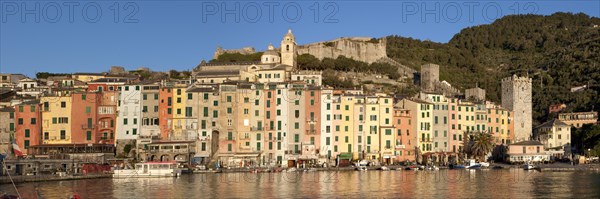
(180,158)
(165,157)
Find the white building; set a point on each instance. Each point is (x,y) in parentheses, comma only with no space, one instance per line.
(556,137)
(129,112)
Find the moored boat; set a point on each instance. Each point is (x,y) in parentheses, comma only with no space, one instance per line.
(529,166)
(149,169)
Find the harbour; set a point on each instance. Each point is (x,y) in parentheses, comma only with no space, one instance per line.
(344,184)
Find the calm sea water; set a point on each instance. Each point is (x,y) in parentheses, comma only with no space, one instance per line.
(507,183)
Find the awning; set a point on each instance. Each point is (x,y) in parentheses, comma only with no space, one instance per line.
(201,155)
(345,156)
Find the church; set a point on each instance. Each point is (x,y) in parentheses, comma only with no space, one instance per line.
(273,67)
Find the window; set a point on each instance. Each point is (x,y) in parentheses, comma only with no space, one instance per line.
(27,133)
(125,121)
(63,134)
(88,135)
(20,121)
(33,121)
(63,104)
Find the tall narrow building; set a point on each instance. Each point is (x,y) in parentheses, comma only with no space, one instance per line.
(516,97)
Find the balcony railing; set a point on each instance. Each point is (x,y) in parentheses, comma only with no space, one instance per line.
(88,127)
(254,128)
(311,131)
(426,139)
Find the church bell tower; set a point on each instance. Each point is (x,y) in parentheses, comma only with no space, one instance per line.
(288,49)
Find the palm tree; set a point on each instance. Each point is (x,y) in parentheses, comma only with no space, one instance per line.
(480,145)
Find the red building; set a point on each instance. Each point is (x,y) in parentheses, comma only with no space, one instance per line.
(106,115)
(28,131)
(165,113)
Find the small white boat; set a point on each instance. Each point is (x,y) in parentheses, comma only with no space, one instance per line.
(149,169)
(529,166)
(361,165)
(484,164)
(384,168)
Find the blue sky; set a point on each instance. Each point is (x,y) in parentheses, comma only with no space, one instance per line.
(91,36)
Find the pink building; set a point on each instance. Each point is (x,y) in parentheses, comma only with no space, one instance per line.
(405,140)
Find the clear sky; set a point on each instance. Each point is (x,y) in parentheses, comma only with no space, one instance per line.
(91,36)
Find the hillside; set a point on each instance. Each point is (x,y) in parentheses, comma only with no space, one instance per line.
(559,51)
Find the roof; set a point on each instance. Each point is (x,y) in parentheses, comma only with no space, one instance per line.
(218,73)
(90,74)
(201,89)
(271,52)
(528,142)
(551,123)
(104,80)
(277,67)
(7,109)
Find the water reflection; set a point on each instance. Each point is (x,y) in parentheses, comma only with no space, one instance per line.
(514,183)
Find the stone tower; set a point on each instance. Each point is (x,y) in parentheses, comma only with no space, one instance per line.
(430,74)
(516,97)
(288,49)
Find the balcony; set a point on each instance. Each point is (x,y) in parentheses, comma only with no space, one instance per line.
(426,140)
(88,127)
(45,109)
(254,128)
(311,132)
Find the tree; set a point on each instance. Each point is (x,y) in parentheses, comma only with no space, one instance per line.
(479,144)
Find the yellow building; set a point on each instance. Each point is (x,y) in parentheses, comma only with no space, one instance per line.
(346,127)
(180,126)
(372,128)
(465,121)
(387,138)
(423,120)
(56,114)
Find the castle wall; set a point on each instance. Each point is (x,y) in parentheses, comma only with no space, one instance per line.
(359,49)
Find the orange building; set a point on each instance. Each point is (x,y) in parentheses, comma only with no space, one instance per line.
(28,131)
(165,114)
(405,140)
(84,117)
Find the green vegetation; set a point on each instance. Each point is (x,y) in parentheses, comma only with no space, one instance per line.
(236,57)
(478,145)
(587,137)
(341,63)
(44,75)
(558,52)
(173,74)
